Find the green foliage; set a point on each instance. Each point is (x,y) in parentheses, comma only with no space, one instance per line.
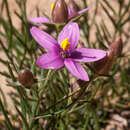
(48,103)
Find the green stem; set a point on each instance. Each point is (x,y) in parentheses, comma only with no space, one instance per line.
(9,125)
(36,106)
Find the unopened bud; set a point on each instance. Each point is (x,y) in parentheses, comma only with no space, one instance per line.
(25,77)
(117,46)
(104,65)
(60,12)
(73,7)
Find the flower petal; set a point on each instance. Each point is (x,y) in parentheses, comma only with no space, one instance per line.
(87,55)
(71,31)
(50,61)
(39,20)
(82,11)
(71,13)
(44,39)
(76,69)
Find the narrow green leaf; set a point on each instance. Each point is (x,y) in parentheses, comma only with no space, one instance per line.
(125,21)
(5,74)
(108,14)
(9,125)
(110,7)
(24,120)
(99,37)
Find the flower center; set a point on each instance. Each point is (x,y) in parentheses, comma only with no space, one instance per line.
(65,44)
(52,6)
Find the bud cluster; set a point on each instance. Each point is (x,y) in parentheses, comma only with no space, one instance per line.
(61,10)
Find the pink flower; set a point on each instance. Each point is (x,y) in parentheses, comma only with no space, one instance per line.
(64,52)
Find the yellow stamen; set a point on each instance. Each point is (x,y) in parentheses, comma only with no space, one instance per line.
(65,45)
(52,6)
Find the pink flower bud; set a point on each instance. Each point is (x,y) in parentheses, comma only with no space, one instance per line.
(117,46)
(60,12)
(73,6)
(104,65)
(25,77)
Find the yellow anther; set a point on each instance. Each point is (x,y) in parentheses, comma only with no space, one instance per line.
(52,6)
(65,44)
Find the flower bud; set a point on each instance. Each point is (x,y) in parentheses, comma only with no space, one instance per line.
(25,77)
(104,65)
(60,12)
(74,8)
(117,46)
